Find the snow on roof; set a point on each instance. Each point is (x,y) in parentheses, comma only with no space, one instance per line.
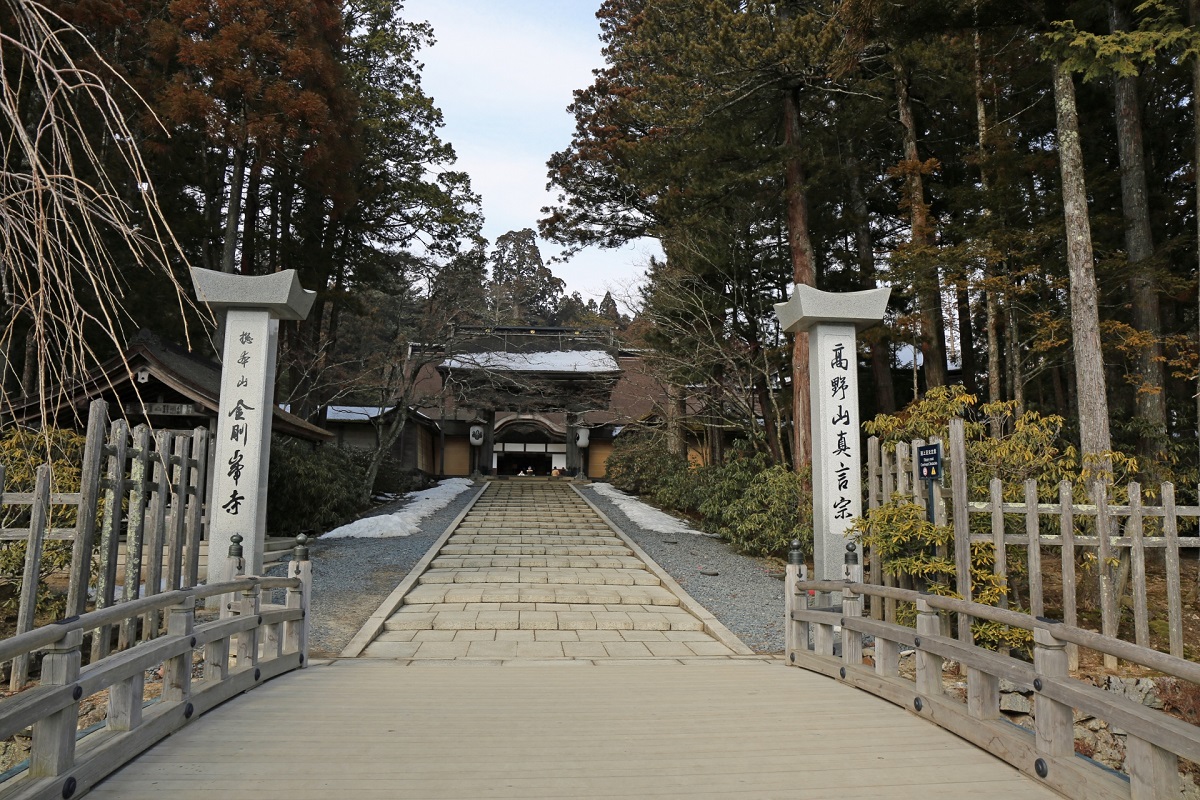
(355,413)
(567,361)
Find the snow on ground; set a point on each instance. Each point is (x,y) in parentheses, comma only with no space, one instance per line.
(407,520)
(643,515)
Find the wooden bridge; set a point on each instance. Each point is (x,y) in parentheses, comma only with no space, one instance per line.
(587,716)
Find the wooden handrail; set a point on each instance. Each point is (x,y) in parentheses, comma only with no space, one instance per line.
(270,641)
(1155,740)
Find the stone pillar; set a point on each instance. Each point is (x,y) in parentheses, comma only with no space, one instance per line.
(253,306)
(831,320)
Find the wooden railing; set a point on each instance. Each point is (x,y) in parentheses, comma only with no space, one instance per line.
(249,642)
(153,488)
(1155,741)
(1031,530)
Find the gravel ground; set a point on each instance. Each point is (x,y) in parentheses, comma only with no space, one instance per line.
(351,577)
(743,595)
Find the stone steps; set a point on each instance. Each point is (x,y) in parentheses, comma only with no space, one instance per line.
(539,593)
(592,577)
(531,619)
(534,550)
(551,562)
(532,572)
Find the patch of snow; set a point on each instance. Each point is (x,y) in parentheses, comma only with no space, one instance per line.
(645,516)
(555,361)
(407,520)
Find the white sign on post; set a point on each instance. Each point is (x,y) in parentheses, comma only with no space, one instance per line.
(253,306)
(832,320)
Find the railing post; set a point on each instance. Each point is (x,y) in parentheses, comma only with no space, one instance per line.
(39,522)
(983,694)
(1053,721)
(1153,771)
(852,650)
(295,633)
(791,628)
(929,665)
(53,751)
(247,640)
(177,671)
(236,567)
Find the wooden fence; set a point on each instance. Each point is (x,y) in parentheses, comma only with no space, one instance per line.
(146,487)
(1154,741)
(1114,533)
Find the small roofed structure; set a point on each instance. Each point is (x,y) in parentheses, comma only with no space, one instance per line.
(156,382)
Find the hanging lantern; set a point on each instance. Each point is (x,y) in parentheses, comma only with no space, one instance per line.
(476,435)
(581,437)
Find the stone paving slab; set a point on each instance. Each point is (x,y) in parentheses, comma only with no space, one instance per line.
(532,574)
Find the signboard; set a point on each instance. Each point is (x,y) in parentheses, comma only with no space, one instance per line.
(929,462)
(163,409)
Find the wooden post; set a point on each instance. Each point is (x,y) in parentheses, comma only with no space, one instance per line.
(962,522)
(195,500)
(53,751)
(791,628)
(1174,591)
(295,634)
(1153,772)
(875,498)
(852,649)
(110,532)
(1137,556)
(134,535)
(157,532)
(247,640)
(177,671)
(1033,548)
(1053,721)
(39,519)
(983,694)
(929,665)
(902,474)
(1108,601)
(1000,554)
(181,468)
(125,703)
(1066,520)
(85,519)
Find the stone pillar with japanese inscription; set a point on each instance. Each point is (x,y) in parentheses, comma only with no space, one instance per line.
(832,321)
(252,305)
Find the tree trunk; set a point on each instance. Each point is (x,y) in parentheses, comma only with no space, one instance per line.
(1194,18)
(995,387)
(803,271)
(1139,245)
(676,409)
(929,295)
(991,299)
(881,357)
(234,213)
(1085,316)
(250,224)
(966,338)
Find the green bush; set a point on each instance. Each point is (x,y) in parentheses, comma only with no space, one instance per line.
(22,451)
(313,488)
(722,485)
(774,509)
(640,464)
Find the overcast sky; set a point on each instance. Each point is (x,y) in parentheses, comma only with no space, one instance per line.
(502,73)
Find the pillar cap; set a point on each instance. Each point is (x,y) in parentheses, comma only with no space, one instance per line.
(279,293)
(809,306)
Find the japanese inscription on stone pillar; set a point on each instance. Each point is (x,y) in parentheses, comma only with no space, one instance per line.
(253,306)
(832,322)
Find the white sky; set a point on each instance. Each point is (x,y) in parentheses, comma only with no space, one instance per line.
(502,73)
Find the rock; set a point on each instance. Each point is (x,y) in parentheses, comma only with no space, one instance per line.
(1094,724)
(1008,686)
(712,573)
(1015,703)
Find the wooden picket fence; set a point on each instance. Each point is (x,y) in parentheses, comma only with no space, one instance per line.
(153,486)
(1033,530)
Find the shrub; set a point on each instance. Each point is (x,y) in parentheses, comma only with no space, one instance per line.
(22,451)
(641,464)
(775,508)
(722,485)
(315,488)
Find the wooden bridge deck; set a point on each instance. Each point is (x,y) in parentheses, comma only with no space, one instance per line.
(380,729)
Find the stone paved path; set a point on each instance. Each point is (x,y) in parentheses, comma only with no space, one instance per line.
(533,572)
